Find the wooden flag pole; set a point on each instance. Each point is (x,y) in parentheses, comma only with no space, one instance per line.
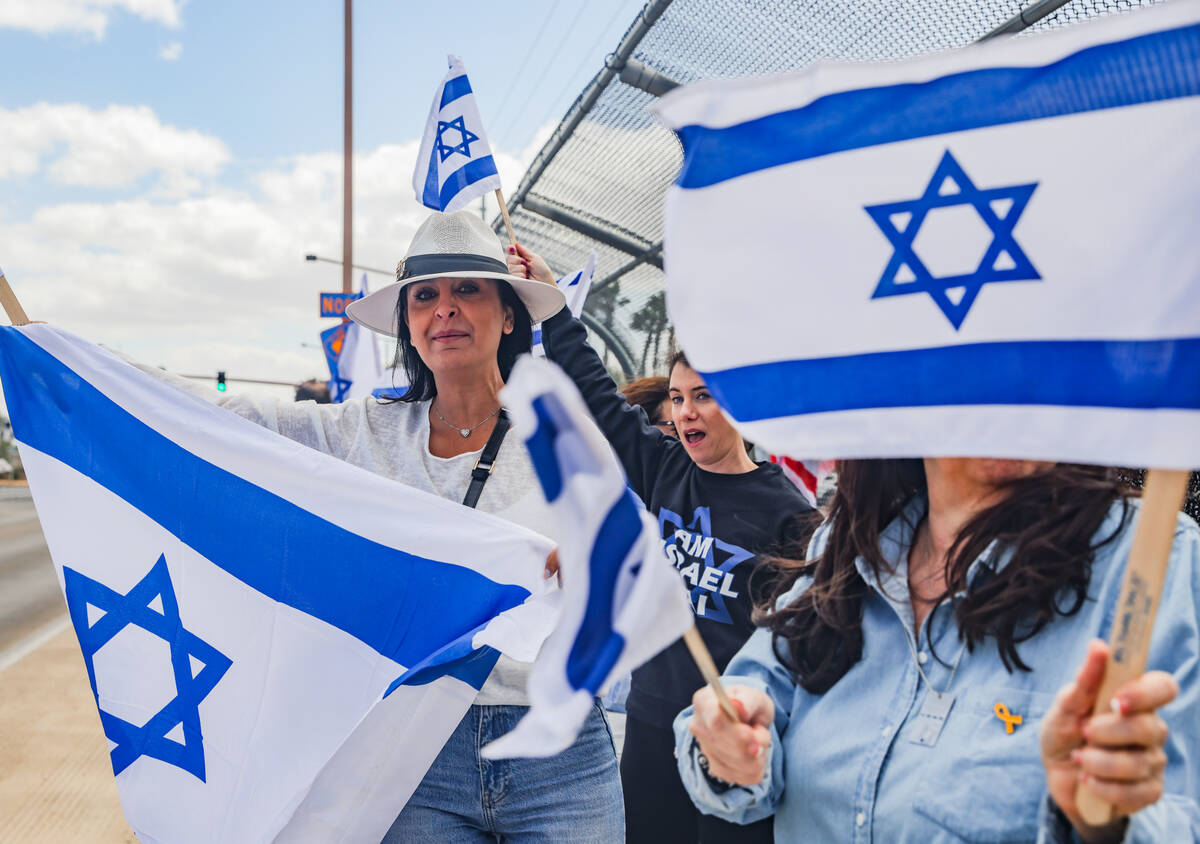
(16,314)
(708,668)
(1129,641)
(512,237)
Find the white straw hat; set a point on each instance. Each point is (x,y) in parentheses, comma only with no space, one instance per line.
(454,245)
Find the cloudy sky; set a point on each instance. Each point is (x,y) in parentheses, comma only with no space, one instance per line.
(166,164)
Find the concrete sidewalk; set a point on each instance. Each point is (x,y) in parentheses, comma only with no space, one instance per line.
(56,781)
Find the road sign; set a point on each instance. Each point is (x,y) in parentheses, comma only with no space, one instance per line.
(334,304)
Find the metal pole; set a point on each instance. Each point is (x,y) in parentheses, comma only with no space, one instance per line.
(347,158)
(1027,17)
(355,266)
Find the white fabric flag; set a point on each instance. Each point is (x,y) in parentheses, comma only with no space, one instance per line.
(454,164)
(575,288)
(243,602)
(622,600)
(359,361)
(991,251)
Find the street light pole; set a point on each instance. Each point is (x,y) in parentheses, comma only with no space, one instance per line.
(354,266)
(347,159)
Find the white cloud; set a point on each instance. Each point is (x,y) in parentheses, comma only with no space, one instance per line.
(113,147)
(89,17)
(217,279)
(171,52)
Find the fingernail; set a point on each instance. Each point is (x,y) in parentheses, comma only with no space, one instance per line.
(548,574)
(1076,755)
(757,750)
(1087,731)
(1119,706)
(512,249)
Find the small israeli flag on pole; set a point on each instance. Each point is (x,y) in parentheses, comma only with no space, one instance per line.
(622,600)
(455,164)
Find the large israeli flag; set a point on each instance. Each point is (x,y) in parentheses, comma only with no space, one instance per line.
(622,600)
(243,603)
(992,251)
(454,164)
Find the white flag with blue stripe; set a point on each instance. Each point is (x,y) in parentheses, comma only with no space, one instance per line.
(992,251)
(454,164)
(622,600)
(359,362)
(575,288)
(243,603)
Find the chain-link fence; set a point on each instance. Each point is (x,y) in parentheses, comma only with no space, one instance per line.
(600,180)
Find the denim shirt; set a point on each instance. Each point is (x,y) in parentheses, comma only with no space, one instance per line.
(843,766)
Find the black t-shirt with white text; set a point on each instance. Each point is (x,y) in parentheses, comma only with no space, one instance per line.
(715,527)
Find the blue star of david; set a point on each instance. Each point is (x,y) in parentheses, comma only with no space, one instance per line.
(463,146)
(338,387)
(669,522)
(191,687)
(1003,260)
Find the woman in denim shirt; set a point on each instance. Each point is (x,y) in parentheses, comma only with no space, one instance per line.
(909,684)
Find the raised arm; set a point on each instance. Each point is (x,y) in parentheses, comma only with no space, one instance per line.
(641,447)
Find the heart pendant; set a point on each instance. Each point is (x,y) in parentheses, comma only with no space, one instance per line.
(466,432)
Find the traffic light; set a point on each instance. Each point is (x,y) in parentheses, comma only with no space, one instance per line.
(221,381)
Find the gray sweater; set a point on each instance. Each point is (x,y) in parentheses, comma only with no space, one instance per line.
(392,439)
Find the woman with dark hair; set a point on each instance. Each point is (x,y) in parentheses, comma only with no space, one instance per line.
(720,513)
(460,321)
(652,395)
(906,684)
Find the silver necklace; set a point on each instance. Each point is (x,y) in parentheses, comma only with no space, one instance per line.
(936,709)
(465,432)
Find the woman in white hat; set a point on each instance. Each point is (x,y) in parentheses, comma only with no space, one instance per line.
(461,320)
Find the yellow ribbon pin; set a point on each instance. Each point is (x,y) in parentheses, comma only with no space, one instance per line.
(1008,718)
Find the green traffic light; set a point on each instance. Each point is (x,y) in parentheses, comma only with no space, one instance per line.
(221,387)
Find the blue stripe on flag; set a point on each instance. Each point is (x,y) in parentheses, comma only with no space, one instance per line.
(1137,374)
(344,579)
(453,89)
(1148,68)
(597,645)
(429,195)
(465,176)
(541,449)
(460,659)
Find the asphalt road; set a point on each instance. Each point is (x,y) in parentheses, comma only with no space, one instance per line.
(30,599)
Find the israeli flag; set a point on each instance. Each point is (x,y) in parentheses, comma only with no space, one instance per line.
(455,164)
(243,603)
(358,365)
(622,600)
(994,249)
(575,288)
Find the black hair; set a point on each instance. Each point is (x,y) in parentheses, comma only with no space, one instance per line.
(421,383)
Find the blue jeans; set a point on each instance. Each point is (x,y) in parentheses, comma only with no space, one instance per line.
(574,796)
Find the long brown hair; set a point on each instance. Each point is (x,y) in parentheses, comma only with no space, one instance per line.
(1048,521)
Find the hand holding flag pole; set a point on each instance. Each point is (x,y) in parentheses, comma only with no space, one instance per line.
(1129,641)
(16,314)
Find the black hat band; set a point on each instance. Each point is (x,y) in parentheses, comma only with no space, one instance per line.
(448,262)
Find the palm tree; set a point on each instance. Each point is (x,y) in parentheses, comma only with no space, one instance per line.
(652,320)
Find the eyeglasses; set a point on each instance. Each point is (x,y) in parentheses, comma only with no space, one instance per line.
(666,425)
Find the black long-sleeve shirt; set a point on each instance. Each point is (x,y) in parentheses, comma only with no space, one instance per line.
(714,526)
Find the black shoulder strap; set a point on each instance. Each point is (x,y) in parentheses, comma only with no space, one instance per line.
(487,460)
